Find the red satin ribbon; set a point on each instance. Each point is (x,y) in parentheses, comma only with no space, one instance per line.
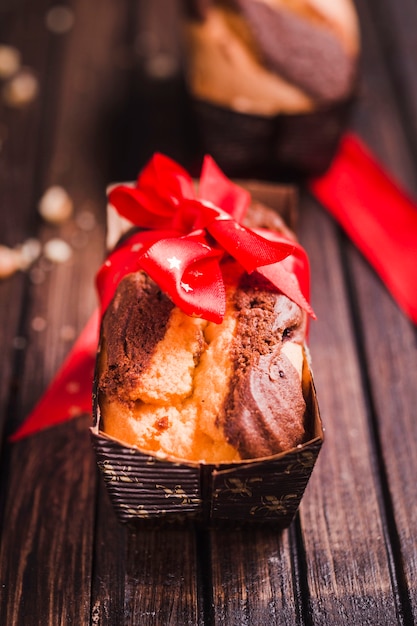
(376,214)
(69,395)
(187,236)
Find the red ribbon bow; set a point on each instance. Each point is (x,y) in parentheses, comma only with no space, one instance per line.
(186,236)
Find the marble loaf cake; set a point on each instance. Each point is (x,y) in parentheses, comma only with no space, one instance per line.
(271,81)
(184,388)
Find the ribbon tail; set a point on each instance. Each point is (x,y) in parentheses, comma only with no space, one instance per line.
(376,214)
(70,393)
(287,282)
(248,247)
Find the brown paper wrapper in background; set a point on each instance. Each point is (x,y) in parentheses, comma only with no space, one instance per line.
(285,147)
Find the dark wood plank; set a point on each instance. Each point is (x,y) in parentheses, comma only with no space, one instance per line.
(379,116)
(253,577)
(154,115)
(348,570)
(144,575)
(390,358)
(46,554)
(67,296)
(49,556)
(378,119)
(20,167)
(160,579)
(109,566)
(388,344)
(395,25)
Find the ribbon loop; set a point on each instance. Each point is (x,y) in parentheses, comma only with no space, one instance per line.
(186,235)
(218,189)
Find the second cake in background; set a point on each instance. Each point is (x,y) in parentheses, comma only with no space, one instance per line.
(271,81)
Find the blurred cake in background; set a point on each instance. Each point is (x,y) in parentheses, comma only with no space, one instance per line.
(271,82)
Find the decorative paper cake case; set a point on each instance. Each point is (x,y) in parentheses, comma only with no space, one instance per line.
(142,486)
(282,147)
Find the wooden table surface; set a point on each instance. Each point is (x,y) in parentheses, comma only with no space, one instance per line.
(108,96)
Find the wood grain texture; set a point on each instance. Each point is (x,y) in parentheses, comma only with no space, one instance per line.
(109,565)
(143,575)
(19,186)
(46,544)
(378,114)
(76,161)
(388,345)
(160,578)
(350,557)
(391,361)
(252,577)
(348,568)
(395,30)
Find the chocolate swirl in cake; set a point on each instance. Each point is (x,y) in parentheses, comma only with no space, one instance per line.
(131,331)
(264,410)
(320,66)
